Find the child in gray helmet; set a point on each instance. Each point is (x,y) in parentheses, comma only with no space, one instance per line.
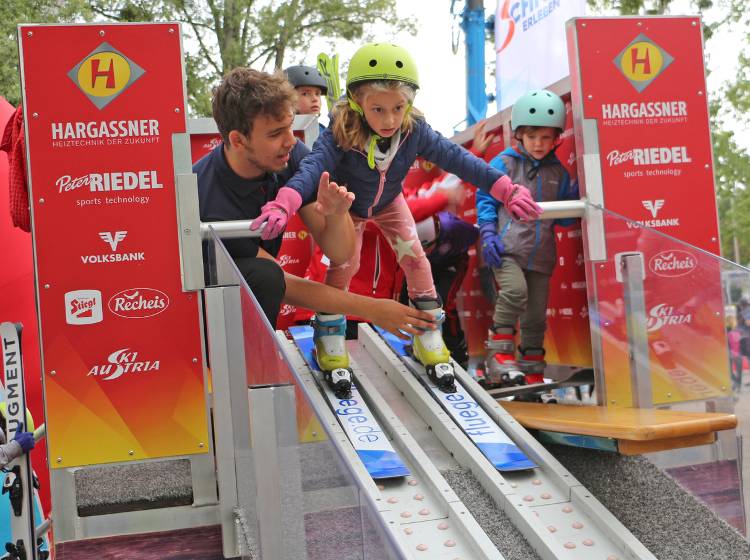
(521,254)
(310,86)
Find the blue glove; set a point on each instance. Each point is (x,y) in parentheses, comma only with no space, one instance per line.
(25,440)
(492,247)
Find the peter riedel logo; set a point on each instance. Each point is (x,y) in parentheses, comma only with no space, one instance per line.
(104,74)
(642,61)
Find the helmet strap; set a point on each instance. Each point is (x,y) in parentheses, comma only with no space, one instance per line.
(371,150)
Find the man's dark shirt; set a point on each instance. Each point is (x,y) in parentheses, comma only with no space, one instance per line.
(224,195)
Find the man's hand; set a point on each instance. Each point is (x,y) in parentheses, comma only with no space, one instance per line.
(396,317)
(482,139)
(332,199)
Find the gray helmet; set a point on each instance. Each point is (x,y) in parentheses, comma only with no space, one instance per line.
(538,107)
(300,76)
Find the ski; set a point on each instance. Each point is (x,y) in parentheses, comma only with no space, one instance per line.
(576,379)
(494,444)
(361,427)
(329,69)
(19,478)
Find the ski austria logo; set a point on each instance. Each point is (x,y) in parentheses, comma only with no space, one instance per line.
(663,314)
(104,74)
(642,61)
(121,362)
(83,307)
(672,263)
(138,303)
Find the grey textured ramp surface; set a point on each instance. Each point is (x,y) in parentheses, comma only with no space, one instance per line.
(671,523)
(118,488)
(503,534)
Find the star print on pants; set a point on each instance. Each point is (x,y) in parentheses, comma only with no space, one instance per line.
(403,247)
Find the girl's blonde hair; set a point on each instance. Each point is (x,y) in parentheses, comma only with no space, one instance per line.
(350,129)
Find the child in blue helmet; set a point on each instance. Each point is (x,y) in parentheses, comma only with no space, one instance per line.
(522,254)
(374,137)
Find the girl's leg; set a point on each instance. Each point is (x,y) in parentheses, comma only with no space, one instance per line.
(397,225)
(330,329)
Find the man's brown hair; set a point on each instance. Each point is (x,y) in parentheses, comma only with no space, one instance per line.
(244,94)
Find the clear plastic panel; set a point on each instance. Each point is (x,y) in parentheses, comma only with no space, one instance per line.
(696,346)
(340,519)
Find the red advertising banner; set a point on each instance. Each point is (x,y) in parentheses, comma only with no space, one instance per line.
(642,81)
(121,342)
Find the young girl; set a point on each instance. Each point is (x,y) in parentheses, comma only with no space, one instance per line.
(374,137)
(522,255)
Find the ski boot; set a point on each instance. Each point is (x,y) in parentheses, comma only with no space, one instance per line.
(532,364)
(500,366)
(329,334)
(430,350)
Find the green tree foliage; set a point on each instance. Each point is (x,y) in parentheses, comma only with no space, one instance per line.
(224,34)
(13,12)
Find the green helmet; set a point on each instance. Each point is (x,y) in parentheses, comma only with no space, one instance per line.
(538,107)
(382,61)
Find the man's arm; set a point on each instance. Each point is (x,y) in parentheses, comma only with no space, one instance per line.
(329,221)
(386,313)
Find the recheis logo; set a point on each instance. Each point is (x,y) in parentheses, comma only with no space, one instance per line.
(104,74)
(642,61)
(121,362)
(83,307)
(672,263)
(138,303)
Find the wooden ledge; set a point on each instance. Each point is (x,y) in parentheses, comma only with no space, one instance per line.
(631,424)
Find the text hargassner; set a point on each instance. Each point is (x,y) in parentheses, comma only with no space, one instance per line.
(132,131)
(110,181)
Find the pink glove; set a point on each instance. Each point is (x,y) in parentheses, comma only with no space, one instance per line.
(277,212)
(516,198)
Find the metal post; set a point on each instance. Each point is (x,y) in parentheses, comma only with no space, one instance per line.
(633,274)
(473,25)
(273,427)
(234,463)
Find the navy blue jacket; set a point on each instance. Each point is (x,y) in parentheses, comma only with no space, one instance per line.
(375,189)
(532,244)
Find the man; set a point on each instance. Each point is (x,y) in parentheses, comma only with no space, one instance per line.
(254,113)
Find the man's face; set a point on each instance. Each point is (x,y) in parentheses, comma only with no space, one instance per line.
(308,100)
(267,148)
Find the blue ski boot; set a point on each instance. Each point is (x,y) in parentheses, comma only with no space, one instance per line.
(329,334)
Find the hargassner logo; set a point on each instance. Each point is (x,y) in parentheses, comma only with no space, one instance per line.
(653,206)
(104,74)
(642,61)
(113,238)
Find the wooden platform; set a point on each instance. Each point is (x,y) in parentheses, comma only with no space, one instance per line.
(635,430)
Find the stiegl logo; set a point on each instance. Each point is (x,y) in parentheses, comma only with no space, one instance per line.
(121,362)
(663,314)
(104,74)
(83,307)
(138,303)
(672,263)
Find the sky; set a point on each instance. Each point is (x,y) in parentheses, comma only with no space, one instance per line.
(442,95)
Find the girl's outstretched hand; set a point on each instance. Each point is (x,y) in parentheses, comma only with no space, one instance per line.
(332,198)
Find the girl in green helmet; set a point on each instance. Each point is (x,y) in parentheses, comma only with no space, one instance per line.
(522,255)
(374,137)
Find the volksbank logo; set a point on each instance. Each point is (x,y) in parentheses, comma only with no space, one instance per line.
(653,206)
(121,362)
(642,61)
(104,74)
(113,239)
